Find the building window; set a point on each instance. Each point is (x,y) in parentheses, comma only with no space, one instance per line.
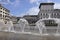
(3,12)
(46,15)
(52,15)
(55,15)
(0,11)
(5,22)
(41,14)
(3,15)
(3,9)
(0,8)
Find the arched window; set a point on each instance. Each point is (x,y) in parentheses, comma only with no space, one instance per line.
(53,15)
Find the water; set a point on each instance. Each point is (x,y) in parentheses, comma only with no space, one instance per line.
(22,30)
(40,28)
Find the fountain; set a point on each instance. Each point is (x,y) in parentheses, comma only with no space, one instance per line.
(22,30)
(43,30)
(2,25)
(49,25)
(9,26)
(22,24)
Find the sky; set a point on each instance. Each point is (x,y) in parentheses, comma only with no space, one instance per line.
(26,7)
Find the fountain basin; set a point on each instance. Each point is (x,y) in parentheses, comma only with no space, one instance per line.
(23,36)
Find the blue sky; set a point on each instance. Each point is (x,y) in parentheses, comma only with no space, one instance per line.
(26,7)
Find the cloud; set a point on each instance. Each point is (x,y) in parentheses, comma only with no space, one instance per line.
(49,0)
(14,3)
(35,1)
(38,1)
(22,14)
(57,6)
(3,2)
(33,11)
(32,1)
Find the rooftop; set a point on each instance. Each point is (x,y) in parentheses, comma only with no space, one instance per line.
(31,18)
(46,4)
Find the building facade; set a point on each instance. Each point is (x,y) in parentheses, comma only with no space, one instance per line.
(4,14)
(14,19)
(47,10)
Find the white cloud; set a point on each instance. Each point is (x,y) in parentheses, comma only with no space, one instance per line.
(32,1)
(35,1)
(14,3)
(3,2)
(57,6)
(38,1)
(49,0)
(33,11)
(22,14)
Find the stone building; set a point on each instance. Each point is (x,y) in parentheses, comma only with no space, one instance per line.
(14,19)
(4,14)
(5,19)
(47,10)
